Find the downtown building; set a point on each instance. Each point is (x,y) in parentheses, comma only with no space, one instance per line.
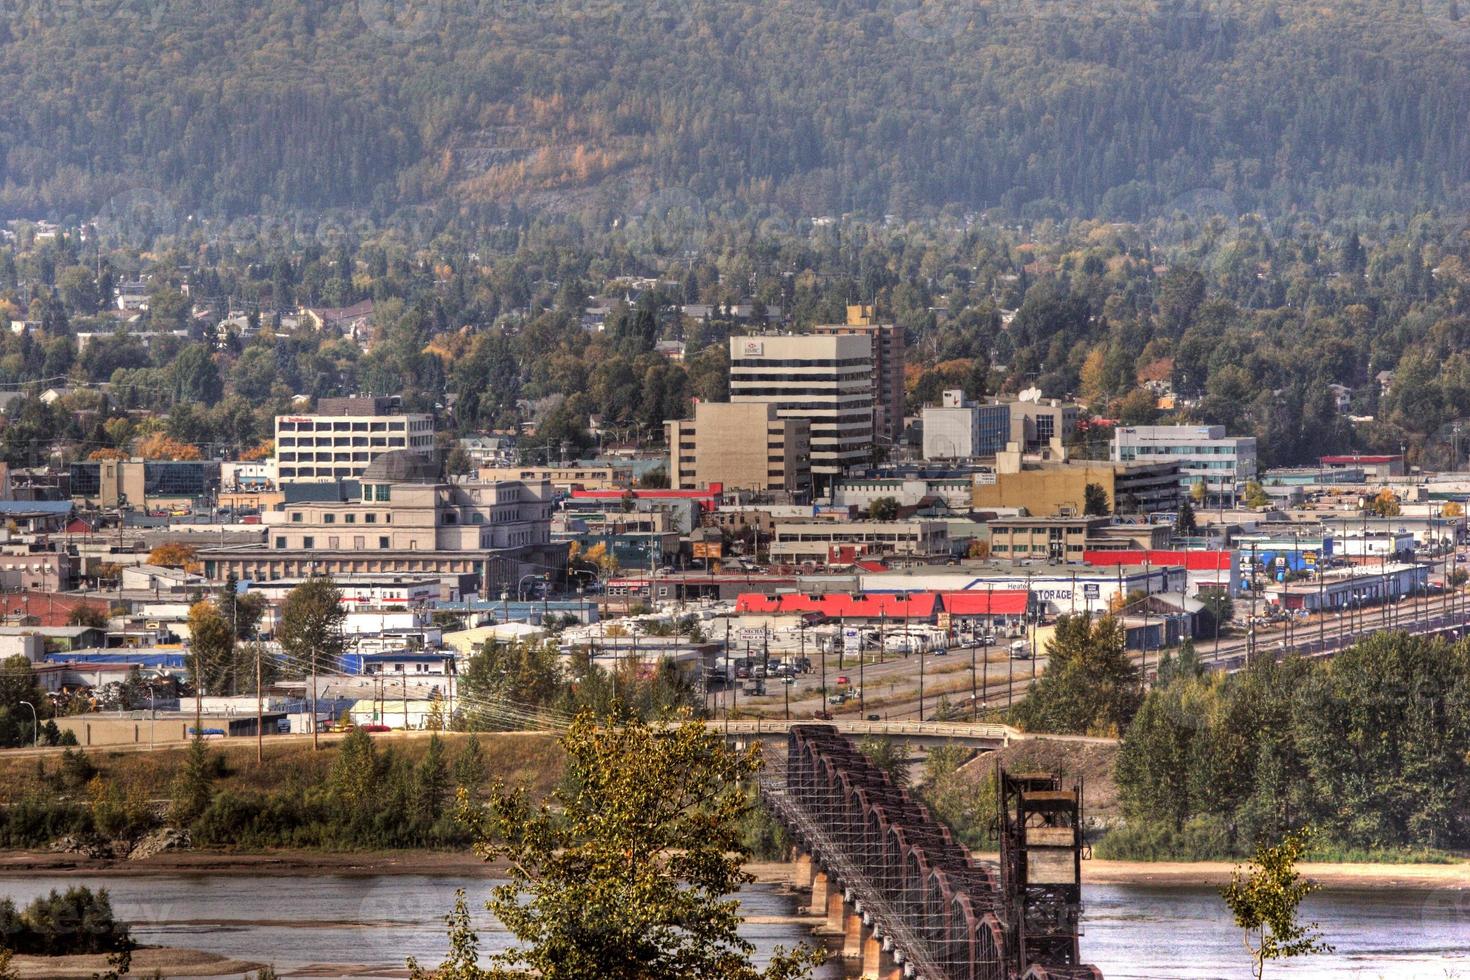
(402,518)
(1204,454)
(740,446)
(343,436)
(825,380)
(888,362)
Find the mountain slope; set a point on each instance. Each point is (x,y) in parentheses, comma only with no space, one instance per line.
(813,106)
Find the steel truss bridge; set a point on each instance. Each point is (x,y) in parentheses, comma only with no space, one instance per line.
(908,900)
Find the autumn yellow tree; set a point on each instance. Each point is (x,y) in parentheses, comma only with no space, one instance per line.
(1384,504)
(103,454)
(160,446)
(1094,391)
(172,554)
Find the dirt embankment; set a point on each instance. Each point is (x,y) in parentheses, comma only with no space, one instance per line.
(1091,762)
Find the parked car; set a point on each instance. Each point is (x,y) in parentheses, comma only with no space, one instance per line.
(375,727)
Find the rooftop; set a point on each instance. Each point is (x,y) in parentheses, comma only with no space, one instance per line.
(401,466)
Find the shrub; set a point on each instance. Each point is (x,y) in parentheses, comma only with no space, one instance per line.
(61,924)
(76,769)
(1205,838)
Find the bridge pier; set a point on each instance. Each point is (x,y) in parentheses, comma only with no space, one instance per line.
(855,933)
(836,912)
(821,888)
(878,961)
(802,872)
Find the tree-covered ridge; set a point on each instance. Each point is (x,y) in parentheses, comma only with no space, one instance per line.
(816,106)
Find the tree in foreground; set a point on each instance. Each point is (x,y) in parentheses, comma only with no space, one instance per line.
(627,871)
(1266,900)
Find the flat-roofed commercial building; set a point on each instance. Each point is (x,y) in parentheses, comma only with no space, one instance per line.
(959,429)
(343,436)
(826,380)
(742,446)
(1036,421)
(888,362)
(144,483)
(818,540)
(1061,488)
(1048,539)
(1203,453)
(404,520)
(569,477)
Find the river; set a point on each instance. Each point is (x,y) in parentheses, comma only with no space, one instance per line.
(370,923)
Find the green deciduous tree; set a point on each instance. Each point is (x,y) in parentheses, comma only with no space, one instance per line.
(211,648)
(1095,501)
(310,632)
(1265,900)
(628,871)
(883,509)
(888,754)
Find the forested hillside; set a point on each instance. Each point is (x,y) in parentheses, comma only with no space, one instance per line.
(586,107)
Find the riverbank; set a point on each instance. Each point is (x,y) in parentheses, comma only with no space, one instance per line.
(1329,876)
(383,863)
(165,960)
(264,863)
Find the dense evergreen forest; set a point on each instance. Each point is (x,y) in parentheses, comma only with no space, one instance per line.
(496,108)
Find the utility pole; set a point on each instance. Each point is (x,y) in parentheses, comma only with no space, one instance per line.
(198,693)
(259,709)
(315,741)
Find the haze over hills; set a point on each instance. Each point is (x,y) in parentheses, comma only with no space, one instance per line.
(1037,107)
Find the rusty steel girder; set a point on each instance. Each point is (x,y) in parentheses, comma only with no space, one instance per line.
(960,919)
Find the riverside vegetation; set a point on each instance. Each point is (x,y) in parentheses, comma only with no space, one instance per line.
(1371,747)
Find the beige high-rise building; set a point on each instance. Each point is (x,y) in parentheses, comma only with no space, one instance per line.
(827,380)
(888,360)
(723,444)
(344,435)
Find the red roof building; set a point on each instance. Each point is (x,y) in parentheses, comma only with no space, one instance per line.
(913,606)
(48,608)
(988,603)
(1194,561)
(919,606)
